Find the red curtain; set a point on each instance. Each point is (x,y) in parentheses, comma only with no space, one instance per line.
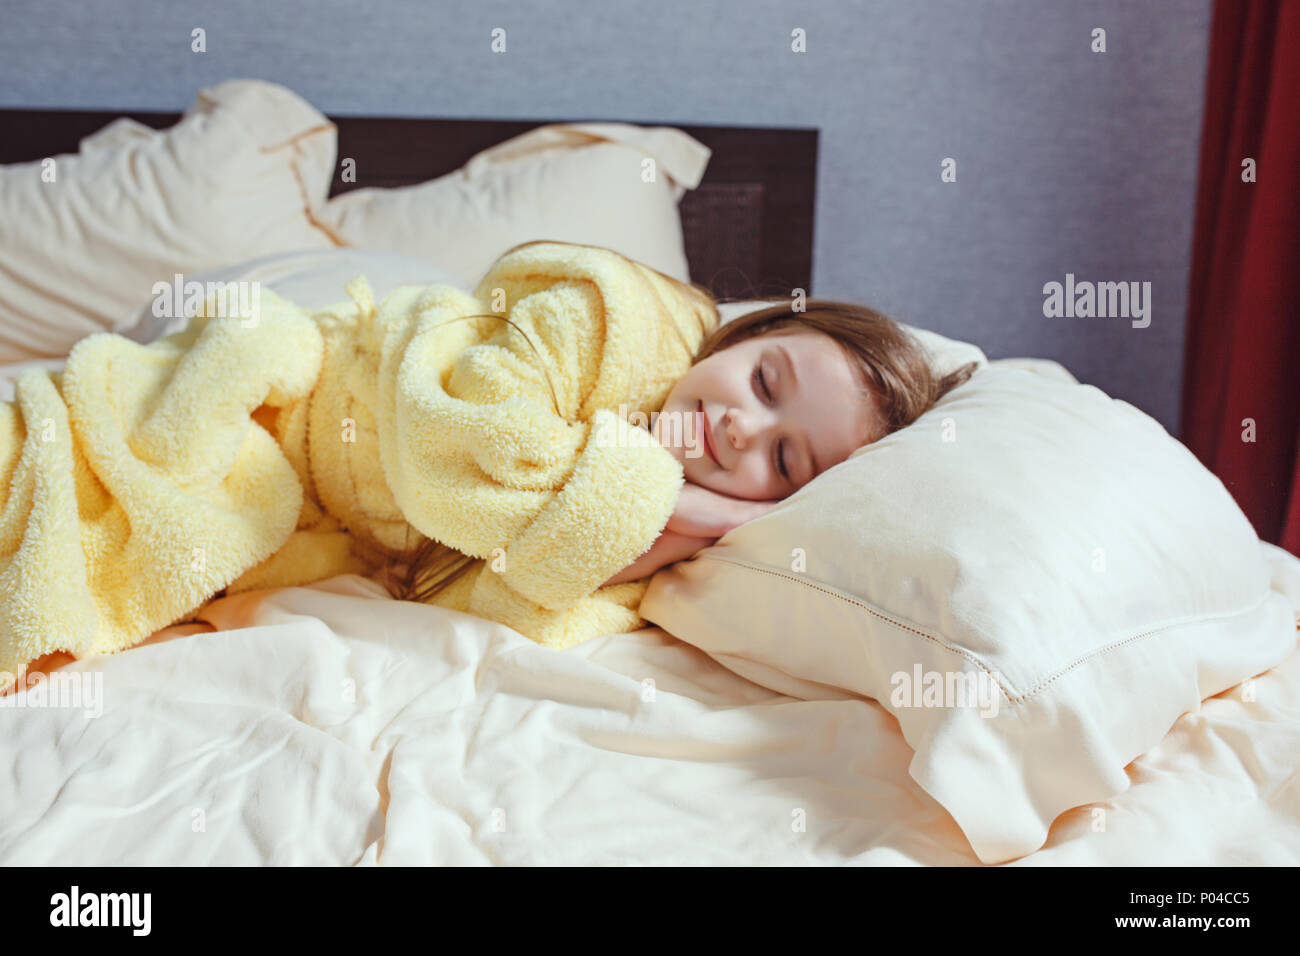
(1243,324)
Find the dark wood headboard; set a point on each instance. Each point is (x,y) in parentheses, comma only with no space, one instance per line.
(748,226)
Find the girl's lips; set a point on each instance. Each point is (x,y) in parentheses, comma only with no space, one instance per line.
(708,434)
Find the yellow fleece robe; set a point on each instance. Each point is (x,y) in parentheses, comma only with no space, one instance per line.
(276,448)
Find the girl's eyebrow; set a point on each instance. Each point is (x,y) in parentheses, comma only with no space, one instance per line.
(794,378)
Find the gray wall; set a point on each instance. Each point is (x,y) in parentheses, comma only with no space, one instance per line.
(1067,160)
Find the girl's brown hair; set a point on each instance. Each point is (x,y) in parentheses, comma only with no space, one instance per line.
(892,366)
(902,384)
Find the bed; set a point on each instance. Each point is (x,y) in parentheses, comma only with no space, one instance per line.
(330,725)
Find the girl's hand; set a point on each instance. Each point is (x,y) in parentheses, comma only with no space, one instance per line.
(700,512)
(668,547)
(699,518)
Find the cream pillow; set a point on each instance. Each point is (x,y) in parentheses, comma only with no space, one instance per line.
(1035,579)
(582,183)
(239,176)
(312,279)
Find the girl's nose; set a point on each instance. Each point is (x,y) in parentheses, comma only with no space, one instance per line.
(736,434)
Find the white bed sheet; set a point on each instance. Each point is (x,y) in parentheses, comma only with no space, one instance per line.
(465,743)
(331,725)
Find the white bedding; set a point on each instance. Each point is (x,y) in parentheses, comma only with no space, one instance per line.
(469,744)
(465,743)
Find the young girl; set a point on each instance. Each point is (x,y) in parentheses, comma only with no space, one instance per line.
(479,444)
(771,399)
(780,396)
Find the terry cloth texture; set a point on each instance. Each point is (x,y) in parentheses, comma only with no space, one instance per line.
(267,447)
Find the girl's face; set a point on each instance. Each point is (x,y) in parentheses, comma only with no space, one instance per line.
(762,418)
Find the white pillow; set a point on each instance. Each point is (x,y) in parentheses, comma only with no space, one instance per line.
(1050,544)
(310,278)
(585,183)
(240,175)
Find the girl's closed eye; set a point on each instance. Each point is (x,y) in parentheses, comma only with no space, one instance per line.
(766,390)
(766,394)
(762,381)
